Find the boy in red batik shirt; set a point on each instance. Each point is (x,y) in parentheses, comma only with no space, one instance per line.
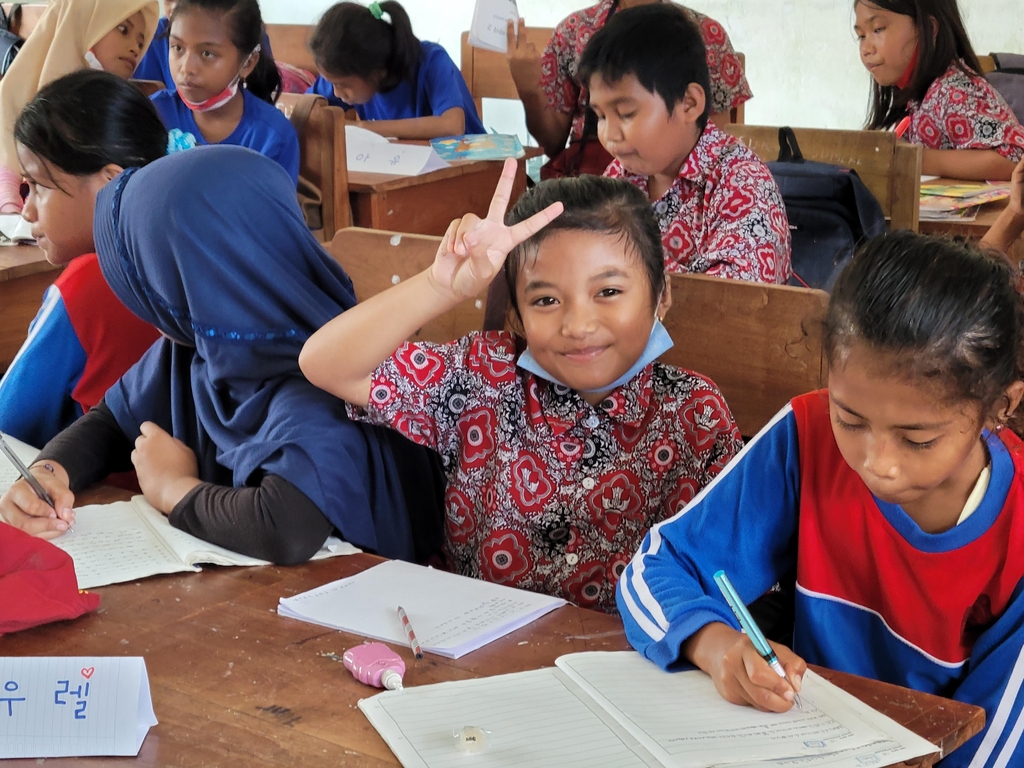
(718,207)
(556,100)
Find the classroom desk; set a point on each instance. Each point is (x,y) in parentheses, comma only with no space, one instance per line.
(25,274)
(427,204)
(972,230)
(234,684)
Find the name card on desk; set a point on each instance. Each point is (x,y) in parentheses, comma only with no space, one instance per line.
(368,152)
(63,706)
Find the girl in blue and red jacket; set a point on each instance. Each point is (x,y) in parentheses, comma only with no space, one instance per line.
(77,134)
(895,497)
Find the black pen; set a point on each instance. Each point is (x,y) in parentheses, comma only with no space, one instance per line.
(23,471)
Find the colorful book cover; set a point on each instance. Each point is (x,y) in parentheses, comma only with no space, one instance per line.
(478,146)
(990,192)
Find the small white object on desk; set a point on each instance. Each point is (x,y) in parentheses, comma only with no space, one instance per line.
(453,614)
(489,29)
(14,230)
(54,706)
(369,152)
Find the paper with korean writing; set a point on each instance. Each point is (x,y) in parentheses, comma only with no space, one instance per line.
(62,706)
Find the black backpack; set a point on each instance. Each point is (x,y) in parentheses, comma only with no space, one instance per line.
(1008,79)
(10,43)
(830,213)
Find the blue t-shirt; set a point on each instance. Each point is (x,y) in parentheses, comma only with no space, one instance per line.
(155,65)
(439,87)
(263,128)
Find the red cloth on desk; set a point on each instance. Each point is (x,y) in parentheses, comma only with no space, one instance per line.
(37,583)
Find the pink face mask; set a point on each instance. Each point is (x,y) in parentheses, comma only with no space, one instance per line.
(222,98)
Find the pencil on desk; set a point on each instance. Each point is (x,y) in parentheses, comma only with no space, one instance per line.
(407,626)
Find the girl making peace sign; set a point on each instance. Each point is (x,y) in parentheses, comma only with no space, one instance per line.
(564,442)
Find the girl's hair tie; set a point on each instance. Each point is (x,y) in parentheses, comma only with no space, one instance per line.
(375,10)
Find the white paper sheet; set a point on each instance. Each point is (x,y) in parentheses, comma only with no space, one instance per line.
(489,29)
(640,715)
(371,153)
(8,474)
(73,706)
(14,230)
(451,615)
(129,540)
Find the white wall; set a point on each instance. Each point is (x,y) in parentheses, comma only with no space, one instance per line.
(802,60)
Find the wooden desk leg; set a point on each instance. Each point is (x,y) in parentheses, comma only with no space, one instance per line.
(19,302)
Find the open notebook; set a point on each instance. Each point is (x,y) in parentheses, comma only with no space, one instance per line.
(128,540)
(618,709)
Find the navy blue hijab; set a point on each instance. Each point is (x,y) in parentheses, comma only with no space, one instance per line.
(210,247)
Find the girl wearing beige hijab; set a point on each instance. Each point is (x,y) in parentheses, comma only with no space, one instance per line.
(71,35)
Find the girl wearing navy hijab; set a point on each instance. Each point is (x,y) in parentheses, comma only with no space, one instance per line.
(229,438)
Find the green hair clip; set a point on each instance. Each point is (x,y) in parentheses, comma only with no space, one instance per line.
(376,10)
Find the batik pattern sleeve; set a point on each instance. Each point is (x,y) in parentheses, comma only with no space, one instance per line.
(747,231)
(426,391)
(744,522)
(729,87)
(35,392)
(963,111)
(994,681)
(559,64)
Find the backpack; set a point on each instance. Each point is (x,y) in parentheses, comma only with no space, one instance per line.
(10,43)
(1008,79)
(830,213)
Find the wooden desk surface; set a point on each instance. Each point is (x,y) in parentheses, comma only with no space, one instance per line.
(22,260)
(234,684)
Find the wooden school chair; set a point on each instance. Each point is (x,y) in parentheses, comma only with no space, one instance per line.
(323,167)
(890,168)
(760,343)
(988,64)
(377,260)
(290,43)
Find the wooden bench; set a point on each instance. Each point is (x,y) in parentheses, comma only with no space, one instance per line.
(322,161)
(760,343)
(290,43)
(890,168)
(376,260)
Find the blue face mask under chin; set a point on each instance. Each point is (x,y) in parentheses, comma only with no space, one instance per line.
(658,343)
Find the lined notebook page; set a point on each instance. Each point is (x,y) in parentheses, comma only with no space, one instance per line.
(8,474)
(539,719)
(112,543)
(683,721)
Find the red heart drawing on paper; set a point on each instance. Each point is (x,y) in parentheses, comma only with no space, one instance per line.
(87,672)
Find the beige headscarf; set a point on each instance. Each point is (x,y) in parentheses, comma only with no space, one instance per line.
(57,47)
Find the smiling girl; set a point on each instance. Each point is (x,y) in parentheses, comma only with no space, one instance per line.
(226,84)
(76,135)
(894,497)
(928,85)
(71,34)
(561,455)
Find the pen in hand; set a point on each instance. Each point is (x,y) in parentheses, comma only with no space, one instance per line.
(757,637)
(28,477)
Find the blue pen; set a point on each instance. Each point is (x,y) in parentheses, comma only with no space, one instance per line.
(750,626)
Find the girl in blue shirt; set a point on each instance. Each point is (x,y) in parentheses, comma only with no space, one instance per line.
(226,85)
(370,60)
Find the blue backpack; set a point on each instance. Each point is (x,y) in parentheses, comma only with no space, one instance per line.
(830,213)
